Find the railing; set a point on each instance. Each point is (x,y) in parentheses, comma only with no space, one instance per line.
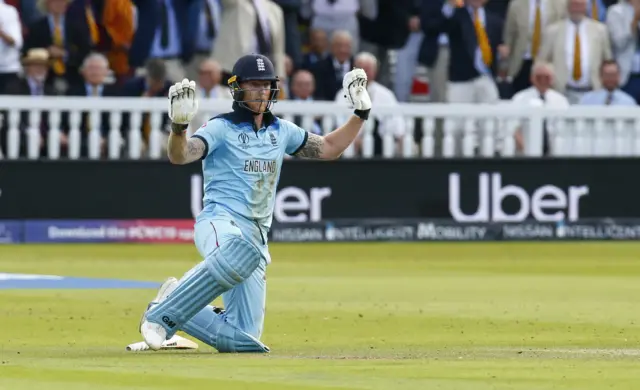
(407,130)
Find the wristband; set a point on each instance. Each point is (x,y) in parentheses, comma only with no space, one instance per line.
(178,128)
(362,114)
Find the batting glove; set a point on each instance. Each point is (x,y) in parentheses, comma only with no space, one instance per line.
(183,104)
(354,85)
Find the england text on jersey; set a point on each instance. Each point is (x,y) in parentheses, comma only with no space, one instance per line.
(260,166)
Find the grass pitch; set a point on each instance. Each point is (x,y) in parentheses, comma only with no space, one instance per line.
(340,316)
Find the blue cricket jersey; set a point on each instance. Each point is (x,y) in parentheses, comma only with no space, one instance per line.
(241,164)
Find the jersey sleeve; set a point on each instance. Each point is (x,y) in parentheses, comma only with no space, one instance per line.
(296,138)
(211,133)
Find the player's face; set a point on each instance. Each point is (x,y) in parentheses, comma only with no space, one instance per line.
(256,94)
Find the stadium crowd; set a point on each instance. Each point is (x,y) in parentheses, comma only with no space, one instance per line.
(474,51)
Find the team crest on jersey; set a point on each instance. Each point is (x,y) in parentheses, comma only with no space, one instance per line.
(260,63)
(243,139)
(274,142)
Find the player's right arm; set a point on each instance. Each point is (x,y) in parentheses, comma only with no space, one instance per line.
(182,150)
(183,106)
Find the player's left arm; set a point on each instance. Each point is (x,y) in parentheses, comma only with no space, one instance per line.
(332,145)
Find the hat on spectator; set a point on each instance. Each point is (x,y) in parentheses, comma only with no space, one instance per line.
(36,57)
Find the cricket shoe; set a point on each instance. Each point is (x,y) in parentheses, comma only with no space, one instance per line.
(176,342)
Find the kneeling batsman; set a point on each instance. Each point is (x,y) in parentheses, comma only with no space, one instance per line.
(178,305)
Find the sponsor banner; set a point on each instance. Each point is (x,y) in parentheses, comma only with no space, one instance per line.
(447,230)
(11,232)
(159,231)
(474,191)
(389,230)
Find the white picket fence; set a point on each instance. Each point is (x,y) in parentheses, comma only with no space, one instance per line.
(466,130)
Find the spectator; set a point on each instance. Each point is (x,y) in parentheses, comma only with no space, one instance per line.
(155,83)
(208,31)
(293,41)
(110,25)
(10,45)
(473,58)
(209,88)
(623,20)
(434,49)
(302,87)
(318,48)
(65,41)
(94,71)
(334,15)
(388,30)
(610,94)
(523,33)
(540,94)
(572,39)
(167,31)
(380,95)
(250,26)
(407,55)
(34,83)
(330,71)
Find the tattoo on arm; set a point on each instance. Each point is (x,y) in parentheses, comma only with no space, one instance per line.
(195,149)
(313,147)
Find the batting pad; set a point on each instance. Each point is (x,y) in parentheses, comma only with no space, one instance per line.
(231,263)
(212,329)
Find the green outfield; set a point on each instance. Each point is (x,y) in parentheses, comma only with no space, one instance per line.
(341,316)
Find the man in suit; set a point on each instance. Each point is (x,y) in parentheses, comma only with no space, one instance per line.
(434,49)
(34,83)
(576,47)
(166,29)
(330,71)
(94,71)
(623,20)
(407,55)
(318,45)
(474,37)
(525,23)
(206,36)
(250,26)
(66,43)
(293,42)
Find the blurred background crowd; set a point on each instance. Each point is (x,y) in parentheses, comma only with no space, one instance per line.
(460,51)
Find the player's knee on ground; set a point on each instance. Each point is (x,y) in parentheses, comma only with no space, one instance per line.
(233,262)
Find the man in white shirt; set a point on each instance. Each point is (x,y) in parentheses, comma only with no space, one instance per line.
(10,45)
(540,94)
(610,94)
(382,96)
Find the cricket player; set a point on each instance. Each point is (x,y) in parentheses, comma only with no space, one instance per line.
(241,153)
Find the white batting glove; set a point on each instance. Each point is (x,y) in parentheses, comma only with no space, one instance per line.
(183,103)
(354,85)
